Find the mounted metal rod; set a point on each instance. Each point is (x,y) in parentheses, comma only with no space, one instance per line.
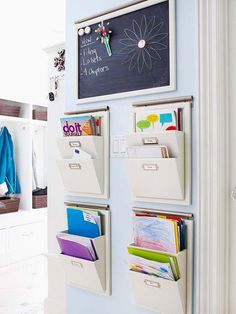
(163,101)
(117,8)
(86,205)
(87,110)
(164,212)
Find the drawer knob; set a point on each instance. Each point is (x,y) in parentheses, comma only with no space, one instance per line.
(152,283)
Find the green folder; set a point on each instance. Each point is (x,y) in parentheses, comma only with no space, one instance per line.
(161,257)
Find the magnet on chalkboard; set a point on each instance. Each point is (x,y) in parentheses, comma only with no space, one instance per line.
(51,96)
(104,35)
(81,32)
(87,30)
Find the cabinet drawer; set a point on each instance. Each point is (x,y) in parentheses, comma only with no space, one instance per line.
(25,241)
(3,245)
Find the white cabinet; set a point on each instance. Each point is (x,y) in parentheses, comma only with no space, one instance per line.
(24,131)
(25,241)
(3,247)
(23,233)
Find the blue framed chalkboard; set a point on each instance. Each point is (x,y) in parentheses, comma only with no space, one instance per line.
(129,51)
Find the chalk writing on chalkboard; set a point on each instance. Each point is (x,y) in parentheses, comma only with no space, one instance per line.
(89,57)
(142,46)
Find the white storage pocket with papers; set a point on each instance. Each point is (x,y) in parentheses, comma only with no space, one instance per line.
(158,294)
(82,176)
(157,179)
(87,274)
(84,166)
(86,260)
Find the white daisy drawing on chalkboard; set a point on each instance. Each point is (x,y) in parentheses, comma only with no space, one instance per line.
(143,43)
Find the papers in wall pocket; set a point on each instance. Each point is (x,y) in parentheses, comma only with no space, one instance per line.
(149,267)
(148,151)
(76,246)
(158,120)
(84,222)
(160,257)
(156,233)
(81,154)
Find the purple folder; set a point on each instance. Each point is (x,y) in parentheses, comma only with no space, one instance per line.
(74,249)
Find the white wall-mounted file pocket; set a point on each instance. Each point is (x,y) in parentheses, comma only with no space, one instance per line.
(94,276)
(86,274)
(160,178)
(174,140)
(157,178)
(92,145)
(160,295)
(85,165)
(83,175)
(170,181)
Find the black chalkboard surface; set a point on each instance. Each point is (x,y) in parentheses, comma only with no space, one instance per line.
(140,60)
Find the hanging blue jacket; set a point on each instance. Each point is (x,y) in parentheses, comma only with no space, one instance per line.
(7,164)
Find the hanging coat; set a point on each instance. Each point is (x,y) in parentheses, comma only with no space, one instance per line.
(8,175)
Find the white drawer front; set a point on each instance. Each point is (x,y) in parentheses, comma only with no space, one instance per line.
(3,244)
(25,241)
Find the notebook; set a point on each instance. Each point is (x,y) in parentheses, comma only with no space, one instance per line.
(158,120)
(76,246)
(84,222)
(156,233)
(81,125)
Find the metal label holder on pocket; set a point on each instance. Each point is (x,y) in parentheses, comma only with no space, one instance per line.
(150,167)
(150,140)
(77,264)
(75,144)
(152,283)
(75,166)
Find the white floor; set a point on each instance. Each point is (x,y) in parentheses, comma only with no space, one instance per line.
(24,287)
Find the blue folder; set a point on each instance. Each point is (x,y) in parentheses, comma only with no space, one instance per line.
(82,223)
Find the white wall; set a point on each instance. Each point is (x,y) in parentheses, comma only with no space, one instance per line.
(78,301)
(26,27)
